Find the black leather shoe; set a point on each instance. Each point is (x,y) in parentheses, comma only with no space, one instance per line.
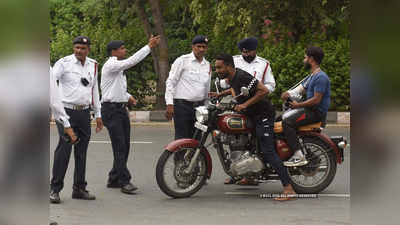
(82,194)
(114,185)
(129,189)
(54,197)
(53,223)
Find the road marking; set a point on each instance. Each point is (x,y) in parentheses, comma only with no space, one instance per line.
(335,195)
(338,125)
(319,195)
(132,142)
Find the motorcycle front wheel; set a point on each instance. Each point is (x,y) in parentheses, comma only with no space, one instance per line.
(172,178)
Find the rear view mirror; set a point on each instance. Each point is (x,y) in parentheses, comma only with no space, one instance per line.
(244,91)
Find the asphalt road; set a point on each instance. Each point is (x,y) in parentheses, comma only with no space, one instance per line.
(214,204)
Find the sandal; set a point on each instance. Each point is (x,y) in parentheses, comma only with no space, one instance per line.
(230,180)
(247,182)
(286,196)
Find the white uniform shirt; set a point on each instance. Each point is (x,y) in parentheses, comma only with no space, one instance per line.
(259,68)
(69,71)
(56,104)
(188,79)
(113,81)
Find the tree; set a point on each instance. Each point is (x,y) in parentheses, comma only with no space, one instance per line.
(284,29)
(160,55)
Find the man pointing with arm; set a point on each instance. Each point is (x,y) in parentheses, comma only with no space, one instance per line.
(114,108)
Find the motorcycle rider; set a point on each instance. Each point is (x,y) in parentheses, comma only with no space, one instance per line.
(259,109)
(260,68)
(313,109)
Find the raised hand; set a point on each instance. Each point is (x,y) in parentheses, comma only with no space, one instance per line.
(154,41)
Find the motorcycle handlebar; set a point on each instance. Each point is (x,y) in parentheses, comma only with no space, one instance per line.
(286,103)
(215,103)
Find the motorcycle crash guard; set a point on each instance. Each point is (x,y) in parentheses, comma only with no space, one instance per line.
(190,143)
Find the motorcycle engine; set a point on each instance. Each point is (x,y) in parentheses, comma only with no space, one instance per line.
(235,142)
(244,163)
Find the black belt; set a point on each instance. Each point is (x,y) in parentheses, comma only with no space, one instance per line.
(116,104)
(186,102)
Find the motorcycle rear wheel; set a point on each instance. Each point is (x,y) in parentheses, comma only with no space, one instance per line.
(325,161)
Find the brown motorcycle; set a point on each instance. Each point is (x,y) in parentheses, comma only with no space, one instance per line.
(186,164)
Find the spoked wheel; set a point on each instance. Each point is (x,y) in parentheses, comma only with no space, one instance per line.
(172,177)
(319,172)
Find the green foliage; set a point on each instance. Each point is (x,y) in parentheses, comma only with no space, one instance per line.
(284,29)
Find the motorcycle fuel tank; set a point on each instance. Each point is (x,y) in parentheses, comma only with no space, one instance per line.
(234,124)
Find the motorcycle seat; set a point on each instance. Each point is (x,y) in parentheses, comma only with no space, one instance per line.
(310,127)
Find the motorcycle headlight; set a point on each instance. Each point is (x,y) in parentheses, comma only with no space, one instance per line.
(201,114)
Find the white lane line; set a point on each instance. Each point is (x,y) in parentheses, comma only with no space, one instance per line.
(335,195)
(318,195)
(132,142)
(338,125)
(239,193)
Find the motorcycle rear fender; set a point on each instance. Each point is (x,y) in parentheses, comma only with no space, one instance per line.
(190,143)
(327,140)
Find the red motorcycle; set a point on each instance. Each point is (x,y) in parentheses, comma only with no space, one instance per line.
(186,164)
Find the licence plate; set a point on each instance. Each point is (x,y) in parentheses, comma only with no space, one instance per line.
(201,126)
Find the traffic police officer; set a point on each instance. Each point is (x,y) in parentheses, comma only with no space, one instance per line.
(114,112)
(77,76)
(187,87)
(250,62)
